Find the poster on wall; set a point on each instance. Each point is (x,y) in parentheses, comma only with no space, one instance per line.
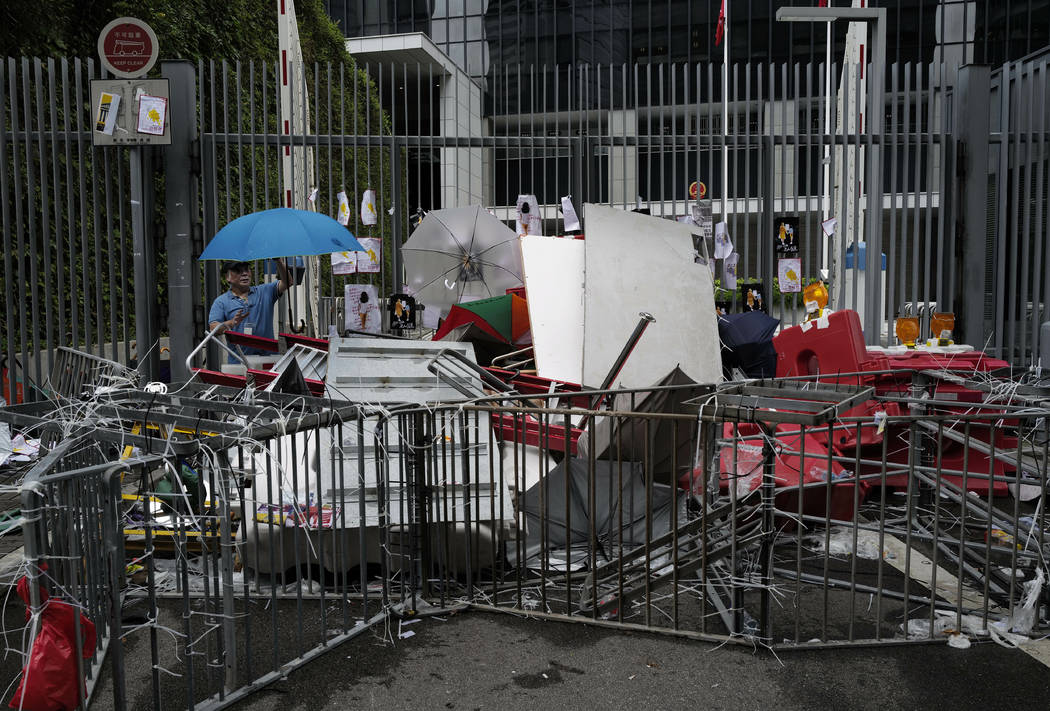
(344,263)
(344,208)
(106,116)
(368,207)
(572,220)
(153,113)
(723,243)
(402,311)
(370,260)
(753,297)
(362,308)
(702,212)
(729,273)
(529,220)
(786,236)
(789,275)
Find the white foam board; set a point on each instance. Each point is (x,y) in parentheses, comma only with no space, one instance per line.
(553,269)
(637,263)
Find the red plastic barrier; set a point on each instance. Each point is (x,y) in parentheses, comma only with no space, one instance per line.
(741,467)
(252,341)
(528,384)
(294,339)
(215,377)
(823,347)
(837,346)
(528,430)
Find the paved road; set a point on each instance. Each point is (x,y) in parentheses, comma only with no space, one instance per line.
(477,660)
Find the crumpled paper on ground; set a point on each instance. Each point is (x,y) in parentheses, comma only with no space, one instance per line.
(1011,632)
(18,448)
(840,542)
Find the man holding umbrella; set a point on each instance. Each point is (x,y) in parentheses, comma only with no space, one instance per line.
(246,308)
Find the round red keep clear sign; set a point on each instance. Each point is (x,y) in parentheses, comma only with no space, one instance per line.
(127,47)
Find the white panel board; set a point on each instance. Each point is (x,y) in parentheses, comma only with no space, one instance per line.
(639,263)
(553,269)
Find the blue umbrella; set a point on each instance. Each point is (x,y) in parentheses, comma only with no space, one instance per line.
(281,232)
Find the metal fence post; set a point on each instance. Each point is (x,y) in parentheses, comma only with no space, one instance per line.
(971,129)
(182,214)
(114,541)
(229,608)
(418,505)
(145,283)
(400,210)
(769,465)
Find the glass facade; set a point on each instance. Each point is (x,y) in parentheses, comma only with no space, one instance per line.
(546,32)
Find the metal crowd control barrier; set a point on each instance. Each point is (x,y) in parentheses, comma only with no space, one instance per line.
(736,521)
(229,543)
(210,538)
(74,371)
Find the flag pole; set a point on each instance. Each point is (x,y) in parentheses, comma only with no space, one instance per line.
(827,147)
(725,111)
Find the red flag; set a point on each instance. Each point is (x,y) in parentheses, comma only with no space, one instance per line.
(720,28)
(822,3)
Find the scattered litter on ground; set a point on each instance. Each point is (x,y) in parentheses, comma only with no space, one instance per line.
(840,542)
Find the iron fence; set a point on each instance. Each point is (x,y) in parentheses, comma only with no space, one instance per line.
(426,136)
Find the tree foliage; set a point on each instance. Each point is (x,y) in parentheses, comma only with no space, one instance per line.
(68,252)
(186,29)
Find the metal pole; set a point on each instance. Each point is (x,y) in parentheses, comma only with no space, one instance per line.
(725,114)
(644,319)
(877,107)
(400,210)
(148,356)
(180,195)
(971,130)
(826,202)
(229,608)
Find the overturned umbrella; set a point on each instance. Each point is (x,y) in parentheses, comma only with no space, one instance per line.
(567,507)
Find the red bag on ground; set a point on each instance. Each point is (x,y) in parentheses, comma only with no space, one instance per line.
(49,679)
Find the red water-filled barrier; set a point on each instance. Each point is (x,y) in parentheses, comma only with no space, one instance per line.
(833,350)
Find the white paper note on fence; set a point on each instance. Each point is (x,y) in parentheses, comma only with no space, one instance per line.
(730,271)
(344,262)
(370,260)
(572,220)
(368,208)
(723,244)
(344,208)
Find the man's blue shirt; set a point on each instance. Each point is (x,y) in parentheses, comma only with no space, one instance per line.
(258,301)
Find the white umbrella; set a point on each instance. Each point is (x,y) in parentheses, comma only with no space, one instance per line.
(461,254)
